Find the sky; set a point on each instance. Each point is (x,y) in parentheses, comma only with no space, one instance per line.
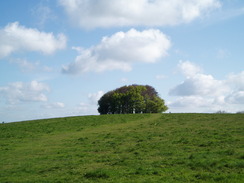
(58,57)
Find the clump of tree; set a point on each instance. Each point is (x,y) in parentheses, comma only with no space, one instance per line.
(131,99)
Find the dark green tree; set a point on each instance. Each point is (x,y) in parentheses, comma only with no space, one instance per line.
(131,99)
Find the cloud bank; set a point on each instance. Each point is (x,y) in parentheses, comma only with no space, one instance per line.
(200,90)
(106,13)
(15,37)
(120,51)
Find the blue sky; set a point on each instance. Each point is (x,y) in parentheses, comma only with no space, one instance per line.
(58,57)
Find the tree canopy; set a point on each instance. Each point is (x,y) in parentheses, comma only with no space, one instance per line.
(131,99)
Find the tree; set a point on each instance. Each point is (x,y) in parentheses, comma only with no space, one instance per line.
(131,99)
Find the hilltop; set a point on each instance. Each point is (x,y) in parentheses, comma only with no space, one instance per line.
(124,148)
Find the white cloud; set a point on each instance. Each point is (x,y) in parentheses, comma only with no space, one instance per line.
(107,13)
(192,101)
(188,68)
(204,91)
(236,97)
(94,97)
(120,51)
(24,92)
(236,81)
(197,83)
(15,37)
(200,84)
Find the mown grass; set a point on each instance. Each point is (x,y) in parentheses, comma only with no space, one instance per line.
(124,148)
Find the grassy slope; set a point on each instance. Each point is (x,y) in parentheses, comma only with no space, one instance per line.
(124,148)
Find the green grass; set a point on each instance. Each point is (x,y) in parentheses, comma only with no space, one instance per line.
(124,148)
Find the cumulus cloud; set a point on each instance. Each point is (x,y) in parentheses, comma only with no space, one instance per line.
(192,101)
(188,68)
(236,81)
(15,37)
(203,90)
(197,83)
(236,97)
(120,51)
(94,97)
(200,84)
(107,13)
(17,92)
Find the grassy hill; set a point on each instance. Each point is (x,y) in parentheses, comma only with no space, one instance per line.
(124,148)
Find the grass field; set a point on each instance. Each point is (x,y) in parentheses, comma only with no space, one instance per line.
(124,148)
